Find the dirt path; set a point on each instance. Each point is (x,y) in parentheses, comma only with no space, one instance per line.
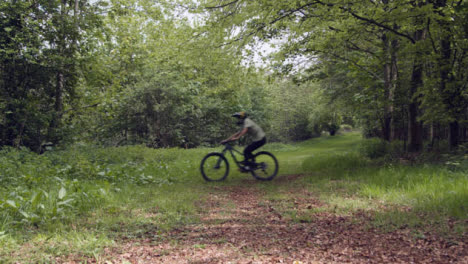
(240,227)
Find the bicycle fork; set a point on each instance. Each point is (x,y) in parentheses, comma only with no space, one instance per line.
(218,163)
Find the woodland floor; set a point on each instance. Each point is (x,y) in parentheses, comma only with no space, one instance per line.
(239,226)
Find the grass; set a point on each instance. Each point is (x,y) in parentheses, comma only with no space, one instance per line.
(83,199)
(398,195)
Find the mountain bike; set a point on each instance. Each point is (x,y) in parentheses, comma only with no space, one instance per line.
(215,166)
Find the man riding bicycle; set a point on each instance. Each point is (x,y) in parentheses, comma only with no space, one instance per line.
(252,129)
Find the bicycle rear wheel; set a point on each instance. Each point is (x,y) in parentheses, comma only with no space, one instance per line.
(214,167)
(266,166)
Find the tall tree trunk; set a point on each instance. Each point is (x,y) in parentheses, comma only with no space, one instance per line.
(387,118)
(390,77)
(454,130)
(59,95)
(58,108)
(415,128)
(464,133)
(415,139)
(390,82)
(394,84)
(448,93)
(60,82)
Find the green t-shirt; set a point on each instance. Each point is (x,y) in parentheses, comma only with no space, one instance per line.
(254,130)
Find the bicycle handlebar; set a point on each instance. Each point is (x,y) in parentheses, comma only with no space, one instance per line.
(227,142)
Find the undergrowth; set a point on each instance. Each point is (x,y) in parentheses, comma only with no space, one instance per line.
(399,192)
(82,199)
(116,192)
(350,174)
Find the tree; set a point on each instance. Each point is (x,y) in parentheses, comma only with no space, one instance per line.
(377,40)
(164,83)
(39,45)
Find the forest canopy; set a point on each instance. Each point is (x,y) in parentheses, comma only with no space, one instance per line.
(170,73)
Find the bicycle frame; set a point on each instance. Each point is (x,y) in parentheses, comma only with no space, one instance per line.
(230,149)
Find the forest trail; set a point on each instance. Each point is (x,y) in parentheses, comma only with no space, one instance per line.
(239,226)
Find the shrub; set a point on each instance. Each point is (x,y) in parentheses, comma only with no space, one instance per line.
(374,148)
(58,185)
(335,166)
(332,128)
(346,128)
(396,149)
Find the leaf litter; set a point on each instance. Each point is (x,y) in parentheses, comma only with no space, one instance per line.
(239,226)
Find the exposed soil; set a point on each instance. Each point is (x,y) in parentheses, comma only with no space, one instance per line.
(238,226)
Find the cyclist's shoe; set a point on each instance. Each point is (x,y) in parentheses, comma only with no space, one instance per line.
(247,163)
(244,169)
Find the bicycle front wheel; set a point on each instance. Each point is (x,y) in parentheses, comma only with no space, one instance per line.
(266,166)
(214,167)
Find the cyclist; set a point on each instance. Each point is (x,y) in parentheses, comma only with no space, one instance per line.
(252,129)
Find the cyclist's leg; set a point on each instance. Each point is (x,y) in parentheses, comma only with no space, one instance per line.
(248,156)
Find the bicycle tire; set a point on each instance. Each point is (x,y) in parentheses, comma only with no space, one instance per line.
(266,166)
(212,164)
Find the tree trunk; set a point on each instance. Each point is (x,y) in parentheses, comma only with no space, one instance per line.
(464,133)
(387,118)
(414,126)
(447,93)
(453,134)
(59,86)
(394,82)
(390,84)
(415,139)
(58,107)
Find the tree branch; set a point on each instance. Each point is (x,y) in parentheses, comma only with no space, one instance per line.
(371,21)
(354,46)
(222,6)
(430,35)
(355,64)
(79,108)
(263,26)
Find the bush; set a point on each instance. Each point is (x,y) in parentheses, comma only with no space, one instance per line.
(346,128)
(335,166)
(396,149)
(54,187)
(374,148)
(332,129)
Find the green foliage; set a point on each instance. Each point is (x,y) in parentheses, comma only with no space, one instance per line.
(38,192)
(335,166)
(78,200)
(397,194)
(374,148)
(373,61)
(346,128)
(298,111)
(163,83)
(436,191)
(425,188)
(44,189)
(39,46)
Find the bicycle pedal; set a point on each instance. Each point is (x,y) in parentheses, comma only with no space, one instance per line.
(244,169)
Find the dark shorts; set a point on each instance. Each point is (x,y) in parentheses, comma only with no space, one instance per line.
(252,147)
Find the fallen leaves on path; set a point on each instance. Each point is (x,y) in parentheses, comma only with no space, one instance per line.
(239,226)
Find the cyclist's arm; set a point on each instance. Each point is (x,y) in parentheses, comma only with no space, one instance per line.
(237,135)
(240,133)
